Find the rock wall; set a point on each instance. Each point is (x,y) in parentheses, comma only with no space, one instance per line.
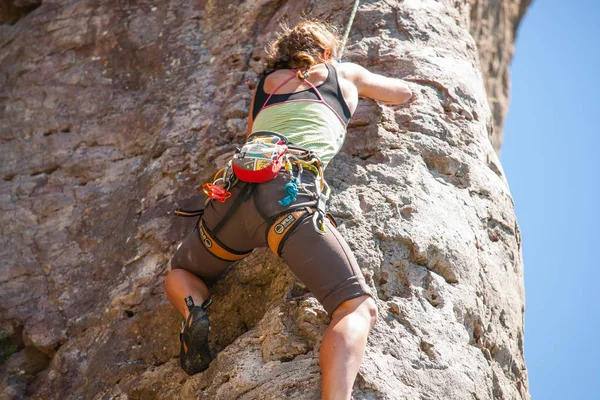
(113,113)
(493,24)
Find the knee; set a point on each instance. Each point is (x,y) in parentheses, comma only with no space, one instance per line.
(173,276)
(370,311)
(362,308)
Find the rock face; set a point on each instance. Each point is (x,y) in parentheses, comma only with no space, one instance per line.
(114,113)
(493,24)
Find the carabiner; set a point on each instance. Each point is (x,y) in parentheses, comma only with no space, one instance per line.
(319,223)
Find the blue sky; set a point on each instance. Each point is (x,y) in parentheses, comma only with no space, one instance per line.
(550,156)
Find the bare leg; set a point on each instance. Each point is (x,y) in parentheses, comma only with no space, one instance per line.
(343,346)
(180,284)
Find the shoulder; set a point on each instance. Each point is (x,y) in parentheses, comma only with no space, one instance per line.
(350,71)
(271,80)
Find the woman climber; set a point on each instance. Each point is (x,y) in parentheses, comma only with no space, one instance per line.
(302,104)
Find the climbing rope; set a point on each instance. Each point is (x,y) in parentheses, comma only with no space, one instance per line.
(348,27)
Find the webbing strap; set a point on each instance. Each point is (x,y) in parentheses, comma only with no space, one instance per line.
(244,194)
(276,89)
(180,212)
(282,227)
(216,248)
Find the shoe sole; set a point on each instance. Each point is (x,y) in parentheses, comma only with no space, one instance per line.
(195,337)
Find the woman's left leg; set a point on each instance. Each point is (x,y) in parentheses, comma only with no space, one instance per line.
(190,261)
(180,284)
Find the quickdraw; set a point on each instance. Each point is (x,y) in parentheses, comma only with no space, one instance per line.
(304,159)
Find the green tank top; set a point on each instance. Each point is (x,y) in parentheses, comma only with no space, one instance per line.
(307,123)
(311,123)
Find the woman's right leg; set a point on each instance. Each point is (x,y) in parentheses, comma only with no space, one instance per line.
(328,268)
(343,346)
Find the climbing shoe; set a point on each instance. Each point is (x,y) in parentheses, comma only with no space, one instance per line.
(195,355)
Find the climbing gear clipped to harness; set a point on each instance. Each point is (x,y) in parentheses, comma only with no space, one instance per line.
(208,237)
(320,214)
(302,159)
(219,188)
(291,189)
(195,355)
(261,158)
(216,192)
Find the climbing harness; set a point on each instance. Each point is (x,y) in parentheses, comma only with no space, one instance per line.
(347,30)
(296,159)
(283,225)
(208,237)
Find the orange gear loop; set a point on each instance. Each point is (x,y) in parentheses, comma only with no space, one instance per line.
(216,192)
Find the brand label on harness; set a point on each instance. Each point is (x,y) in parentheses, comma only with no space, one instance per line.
(205,239)
(189,302)
(280,227)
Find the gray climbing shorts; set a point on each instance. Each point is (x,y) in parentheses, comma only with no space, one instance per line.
(324,263)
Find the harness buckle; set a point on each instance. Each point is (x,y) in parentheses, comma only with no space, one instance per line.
(319,214)
(319,222)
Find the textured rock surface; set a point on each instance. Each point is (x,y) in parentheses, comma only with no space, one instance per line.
(493,24)
(114,113)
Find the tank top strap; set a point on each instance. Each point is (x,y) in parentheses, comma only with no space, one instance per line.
(331,82)
(260,96)
(332,86)
(279,87)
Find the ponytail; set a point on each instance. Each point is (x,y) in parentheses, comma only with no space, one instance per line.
(301,47)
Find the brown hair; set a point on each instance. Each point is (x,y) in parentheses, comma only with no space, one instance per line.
(301,47)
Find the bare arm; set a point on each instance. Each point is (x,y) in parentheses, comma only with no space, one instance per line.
(377,87)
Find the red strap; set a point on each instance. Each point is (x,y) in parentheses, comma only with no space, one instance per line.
(316,90)
(276,89)
(323,101)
